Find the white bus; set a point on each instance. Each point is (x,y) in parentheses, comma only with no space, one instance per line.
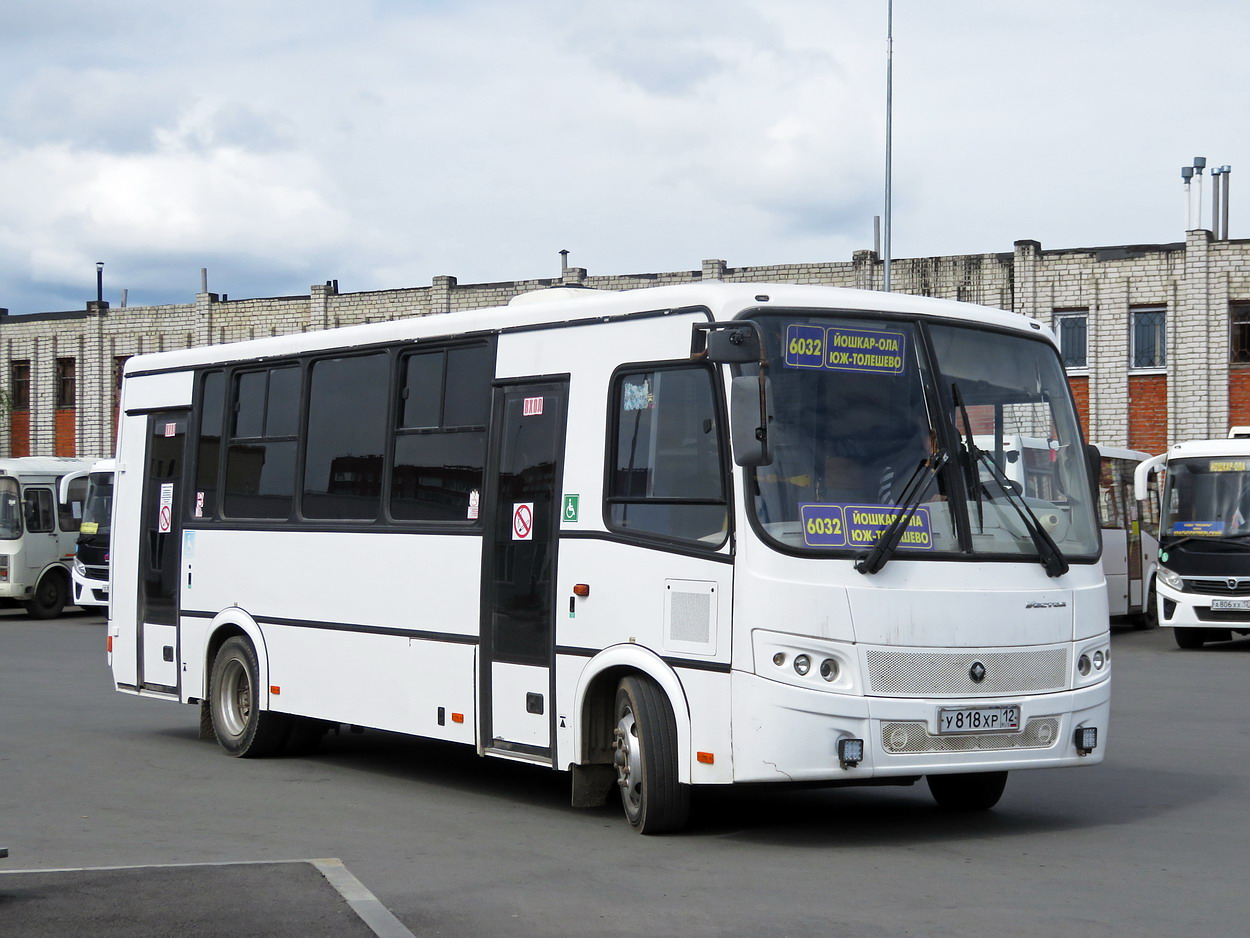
(91,554)
(1129,529)
(1130,544)
(37,533)
(650,537)
(1203,576)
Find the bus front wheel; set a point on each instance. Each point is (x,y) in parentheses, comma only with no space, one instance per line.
(645,754)
(49,598)
(242,728)
(973,791)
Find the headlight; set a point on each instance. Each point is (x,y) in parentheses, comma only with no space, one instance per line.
(802,664)
(1170,579)
(79,567)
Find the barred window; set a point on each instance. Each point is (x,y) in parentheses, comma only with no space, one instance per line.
(66,382)
(1072,327)
(1149,337)
(19,384)
(1239,324)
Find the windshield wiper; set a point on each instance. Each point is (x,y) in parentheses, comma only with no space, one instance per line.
(972,455)
(1048,552)
(914,491)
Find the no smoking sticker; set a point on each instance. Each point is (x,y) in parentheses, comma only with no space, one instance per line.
(523,521)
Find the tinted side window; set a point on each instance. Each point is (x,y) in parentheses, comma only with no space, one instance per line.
(208,456)
(440,437)
(666,475)
(260,460)
(38,510)
(346,437)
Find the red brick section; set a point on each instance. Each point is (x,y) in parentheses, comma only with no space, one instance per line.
(1080,394)
(63,442)
(1148,413)
(1238,397)
(19,433)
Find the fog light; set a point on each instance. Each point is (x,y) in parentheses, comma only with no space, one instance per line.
(850,752)
(829,669)
(1099,661)
(1082,664)
(1086,739)
(802,664)
(779,659)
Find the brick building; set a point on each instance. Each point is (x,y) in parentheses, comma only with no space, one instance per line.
(1156,338)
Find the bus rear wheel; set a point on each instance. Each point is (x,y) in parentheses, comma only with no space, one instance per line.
(242,728)
(973,791)
(645,755)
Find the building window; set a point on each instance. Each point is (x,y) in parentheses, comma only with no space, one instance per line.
(1072,328)
(1239,336)
(1149,337)
(66,384)
(19,385)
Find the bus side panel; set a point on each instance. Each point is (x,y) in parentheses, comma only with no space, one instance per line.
(376,629)
(677,606)
(1115,568)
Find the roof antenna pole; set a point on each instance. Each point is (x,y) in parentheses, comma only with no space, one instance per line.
(889,141)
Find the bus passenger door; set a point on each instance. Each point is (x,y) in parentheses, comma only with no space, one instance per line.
(519,569)
(159,552)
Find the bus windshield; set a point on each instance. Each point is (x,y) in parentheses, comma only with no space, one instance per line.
(1206,497)
(10,515)
(97,512)
(874,417)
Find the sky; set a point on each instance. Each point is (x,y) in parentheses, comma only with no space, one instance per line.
(382,143)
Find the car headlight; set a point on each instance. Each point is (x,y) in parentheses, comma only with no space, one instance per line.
(1170,579)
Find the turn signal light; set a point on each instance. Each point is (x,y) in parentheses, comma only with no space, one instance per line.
(707,758)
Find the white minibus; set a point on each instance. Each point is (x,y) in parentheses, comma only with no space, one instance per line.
(659,539)
(1203,575)
(37,533)
(91,556)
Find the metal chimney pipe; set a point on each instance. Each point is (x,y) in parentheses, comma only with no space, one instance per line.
(1200,163)
(99,281)
(203,279)
(1187,173)
(1215,201)
(1226,172)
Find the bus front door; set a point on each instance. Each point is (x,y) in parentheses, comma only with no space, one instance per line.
(519,570)
(159,552)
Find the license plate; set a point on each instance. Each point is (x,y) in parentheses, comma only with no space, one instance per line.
(979,720)
(1230,604)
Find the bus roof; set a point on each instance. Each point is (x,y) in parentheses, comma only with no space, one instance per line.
(1224,447)
(41,465)
(724,300)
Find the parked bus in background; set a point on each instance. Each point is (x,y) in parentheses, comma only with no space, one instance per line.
(37,533)
(667,538)
(1130,545)
(1203,577)
(1129,541)
(90,573)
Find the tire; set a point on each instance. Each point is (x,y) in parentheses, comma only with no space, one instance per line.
(50,597)
(1190,639)
(645,744)
(241,727)
(974,791)
(1149,618)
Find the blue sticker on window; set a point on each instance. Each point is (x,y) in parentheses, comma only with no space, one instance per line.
(1198,528)
(871,351)
(832,526)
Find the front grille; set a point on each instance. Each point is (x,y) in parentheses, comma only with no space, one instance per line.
(899,737)
(1221,615)
(948,673)
(95,573)
(1218,586)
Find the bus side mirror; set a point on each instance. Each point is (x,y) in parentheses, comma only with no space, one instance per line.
(749,417)
(1141,475)
(726,343)
(1093,459)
